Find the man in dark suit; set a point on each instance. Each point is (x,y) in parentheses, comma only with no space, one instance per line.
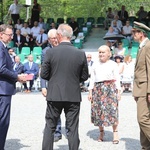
(18,66)
(64,67)
(8,79)
(19,40)
(52,39)
(141,84)
(30,68)
(123,15)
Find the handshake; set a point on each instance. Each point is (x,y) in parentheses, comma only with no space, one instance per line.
(22,78)
(25,77)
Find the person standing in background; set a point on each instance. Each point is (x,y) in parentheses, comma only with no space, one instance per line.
(35,14)
(141,82)
(64,76)
(14,10)
(8,78)
(75,27)
(123,15)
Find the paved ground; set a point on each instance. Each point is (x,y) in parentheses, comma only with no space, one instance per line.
(28,111)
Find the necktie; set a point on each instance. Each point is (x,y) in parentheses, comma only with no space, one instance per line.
(30,65)
(41,40)
(15,67)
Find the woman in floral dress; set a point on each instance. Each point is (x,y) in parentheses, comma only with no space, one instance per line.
(104,93)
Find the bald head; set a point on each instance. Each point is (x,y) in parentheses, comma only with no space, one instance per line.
(17,59)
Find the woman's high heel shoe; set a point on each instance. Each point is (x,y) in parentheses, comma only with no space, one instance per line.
(115,140)
(100,139)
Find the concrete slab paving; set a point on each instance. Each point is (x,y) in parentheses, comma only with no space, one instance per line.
(27,124)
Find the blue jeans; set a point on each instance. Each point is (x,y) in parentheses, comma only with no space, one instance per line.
(58,129)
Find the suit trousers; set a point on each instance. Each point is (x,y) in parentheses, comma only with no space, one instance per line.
(53,112)
(143,116)
(31,82)
(5,104)
(15,17)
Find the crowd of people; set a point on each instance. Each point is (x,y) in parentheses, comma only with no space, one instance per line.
(61,77)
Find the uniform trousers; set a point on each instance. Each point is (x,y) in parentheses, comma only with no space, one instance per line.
(143,116)
(5,104)
(53,112)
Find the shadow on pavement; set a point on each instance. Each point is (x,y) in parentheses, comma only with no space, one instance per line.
(14,144)
(131,144)
(64,147)
(94,134)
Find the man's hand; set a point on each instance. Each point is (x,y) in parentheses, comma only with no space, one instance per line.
(135,98)
(44,92)
(22,78)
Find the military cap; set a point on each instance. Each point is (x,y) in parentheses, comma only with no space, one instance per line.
(141,27)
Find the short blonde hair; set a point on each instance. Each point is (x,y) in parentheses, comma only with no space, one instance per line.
(105,47)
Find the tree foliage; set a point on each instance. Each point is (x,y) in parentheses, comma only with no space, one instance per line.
(79,8)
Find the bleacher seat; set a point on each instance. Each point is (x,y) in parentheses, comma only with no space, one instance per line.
(81,36)
(132,19)
(50,20)
(37,50)
(91,19)
(77,43)
(125,42)
(11,44)
(135,44)
(100,21)
(89,26)
(80,21)
(25,51)
(134,51)
(59,21)
(85,31)
(23,59)
(37,58)
(68,20)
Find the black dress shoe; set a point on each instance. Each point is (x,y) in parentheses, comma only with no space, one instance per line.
(57,138)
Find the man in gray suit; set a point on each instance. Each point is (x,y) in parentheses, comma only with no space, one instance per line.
(64,67)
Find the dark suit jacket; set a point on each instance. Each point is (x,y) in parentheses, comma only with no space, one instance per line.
(125,15)
(22,40)
(34,70)
(64,67)
(20,68)
(8,77)
(44,82)
(44,52)
(141,84)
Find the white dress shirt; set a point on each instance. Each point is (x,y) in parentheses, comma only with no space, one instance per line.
(35,31)
(44,38)
(15,9)
(25,30)
(119,24)
(104,71)
(127,29)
